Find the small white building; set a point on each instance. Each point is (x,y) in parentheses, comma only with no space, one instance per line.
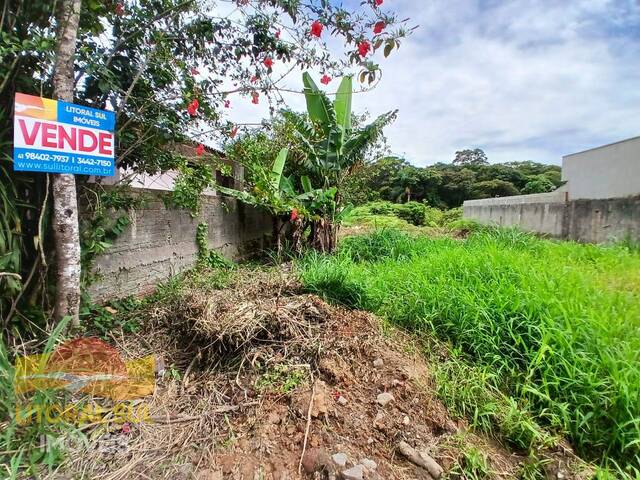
(600,201)
(610,171)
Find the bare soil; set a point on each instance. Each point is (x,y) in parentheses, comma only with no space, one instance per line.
(259,371)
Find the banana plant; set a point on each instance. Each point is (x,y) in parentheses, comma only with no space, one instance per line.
(277,193)
(333,146)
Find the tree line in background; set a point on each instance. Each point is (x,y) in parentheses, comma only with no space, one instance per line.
(448,185)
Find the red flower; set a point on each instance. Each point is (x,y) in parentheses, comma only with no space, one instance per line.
(200,150)
(126,428)
(294,214)
(379,2)
(278,34)
(268,62)
(234,132)
(194,71)
(363,48)
(316,29)
(325,79)
(254,79)
(255,98)
(379,27)
(119,9)
(227,103)
(193,107)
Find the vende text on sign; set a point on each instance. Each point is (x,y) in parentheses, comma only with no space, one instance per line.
(60,137)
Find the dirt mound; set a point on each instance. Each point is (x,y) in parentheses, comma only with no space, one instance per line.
(259,372)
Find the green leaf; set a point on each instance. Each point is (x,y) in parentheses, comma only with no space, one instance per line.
(319,107)
(387,49)
(286,185)
(306,183)
(360,140)
(342,104)
(278,167)
(344,212)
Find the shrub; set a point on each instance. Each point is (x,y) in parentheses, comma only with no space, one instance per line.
(538,184)
(451,215)
(412,212)
(434,217)
(380,208)
(464,225)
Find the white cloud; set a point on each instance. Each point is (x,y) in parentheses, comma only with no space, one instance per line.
(524,80)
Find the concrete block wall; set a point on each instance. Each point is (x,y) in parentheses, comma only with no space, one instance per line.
(542,213)
(552,214)
(609,171)
(603,220)
(160,242)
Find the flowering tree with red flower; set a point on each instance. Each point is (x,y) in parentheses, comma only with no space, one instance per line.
(167,68)
(363,48)
(192,108)
(316,29)
(147,72)
(379,27)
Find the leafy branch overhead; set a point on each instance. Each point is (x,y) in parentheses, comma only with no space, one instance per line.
(175,69)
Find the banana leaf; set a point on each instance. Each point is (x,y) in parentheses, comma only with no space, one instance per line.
(342,105)
(319,106)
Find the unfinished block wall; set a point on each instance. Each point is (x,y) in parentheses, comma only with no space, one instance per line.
(161,242)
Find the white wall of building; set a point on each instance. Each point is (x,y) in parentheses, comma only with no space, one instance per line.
(610,171)
(160,181)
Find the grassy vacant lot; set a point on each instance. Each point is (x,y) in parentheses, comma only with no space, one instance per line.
(547,333)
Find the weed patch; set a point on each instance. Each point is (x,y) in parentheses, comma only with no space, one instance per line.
(28,446)
(542,316)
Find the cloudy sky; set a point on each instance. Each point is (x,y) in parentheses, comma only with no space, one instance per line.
(523,80)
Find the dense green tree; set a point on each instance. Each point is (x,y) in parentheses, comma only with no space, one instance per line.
(502,172)
(416,184)
(447,185)
(538,184)
(555,176)
(471,157)
(457,186)
(493,188)
(371,181)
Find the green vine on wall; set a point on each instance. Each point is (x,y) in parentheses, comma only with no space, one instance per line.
(107,218)
(206,256)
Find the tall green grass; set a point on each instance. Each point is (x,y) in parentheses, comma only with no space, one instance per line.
(30,449)
(557,322)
